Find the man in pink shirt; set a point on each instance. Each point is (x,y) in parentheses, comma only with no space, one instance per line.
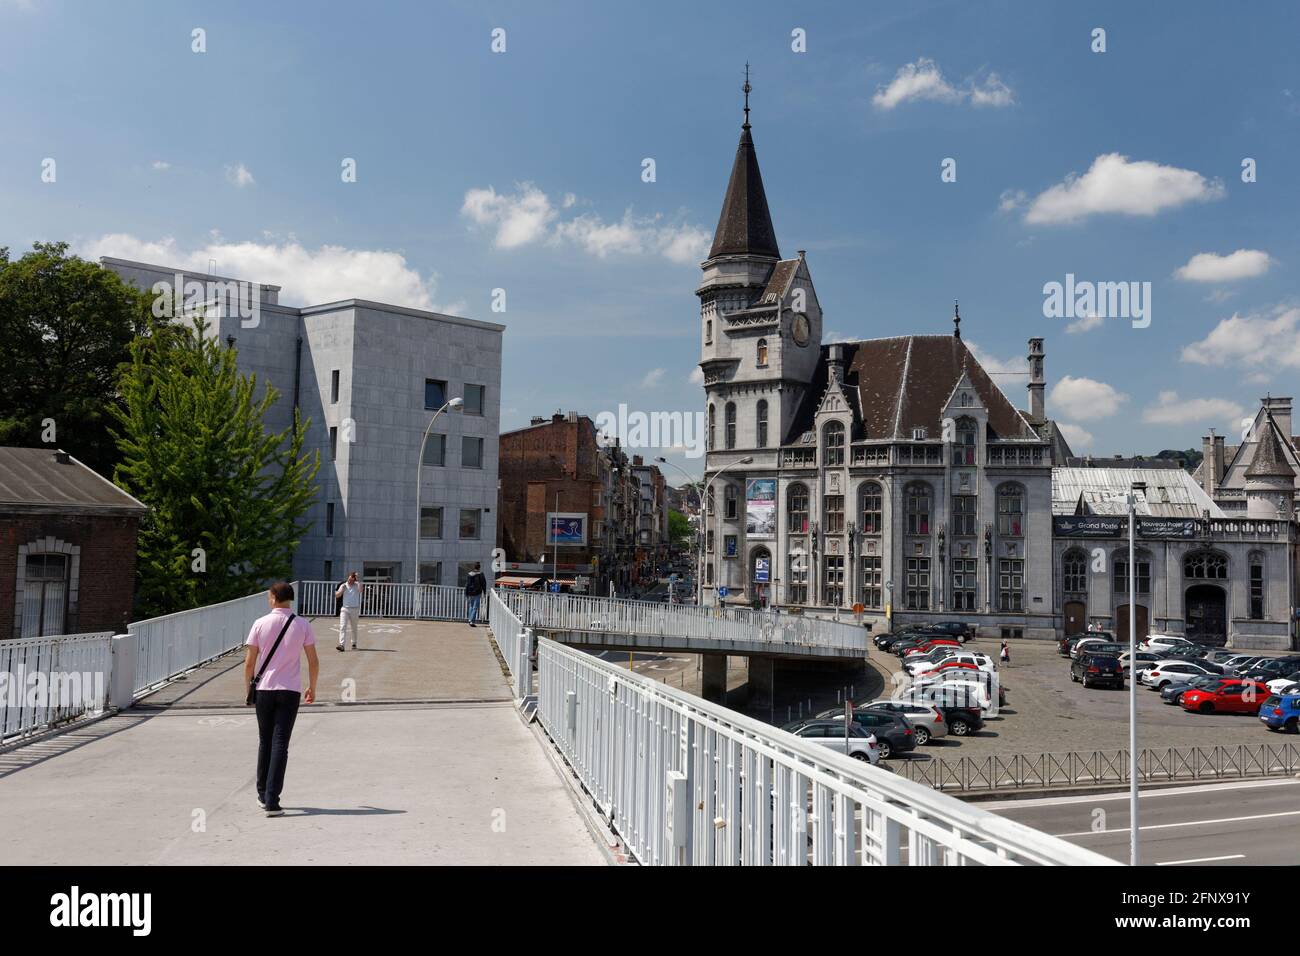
(279,689)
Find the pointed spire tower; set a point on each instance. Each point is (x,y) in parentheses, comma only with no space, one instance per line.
(745,225)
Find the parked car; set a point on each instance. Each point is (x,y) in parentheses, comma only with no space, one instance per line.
(926,719)
(951,691)
(925,664)
(1279,684)
(984,679)
(1219,656)
(1264,671)
(1088,641)
(1172,693)
(1164,642)
(933,644)
(1240,661)
(1168,672)
(960,713)
(894,733)
(1228,696)
(1281,712)
(958,630)
(862,744)
(1097,669)
(1145,660)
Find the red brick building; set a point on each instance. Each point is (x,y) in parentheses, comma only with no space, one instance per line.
(67,546)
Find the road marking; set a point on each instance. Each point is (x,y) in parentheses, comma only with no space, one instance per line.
(1185,823)
(1163,792)
(1204,859)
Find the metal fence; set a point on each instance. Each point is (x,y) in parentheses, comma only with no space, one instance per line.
(423,601)
(1102,767)
(686,782)
(49,680)
(515,643)
(174,643)
(575,612)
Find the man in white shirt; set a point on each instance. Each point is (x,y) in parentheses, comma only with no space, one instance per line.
(349,592)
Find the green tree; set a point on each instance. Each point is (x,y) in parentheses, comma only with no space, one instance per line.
(66,328)
(679,530)
(195,450)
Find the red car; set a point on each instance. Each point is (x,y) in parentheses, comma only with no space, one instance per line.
(928,646)
(1226,697)
(947,666)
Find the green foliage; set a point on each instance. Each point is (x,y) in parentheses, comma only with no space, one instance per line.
(679,530)
(195,450)
(66,328)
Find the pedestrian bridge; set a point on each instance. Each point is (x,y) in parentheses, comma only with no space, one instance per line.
(434,733)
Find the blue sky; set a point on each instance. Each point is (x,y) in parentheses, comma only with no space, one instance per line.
(522,171)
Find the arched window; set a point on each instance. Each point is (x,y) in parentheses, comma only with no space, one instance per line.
(963,450)
(761,421)
(762,352)
(1119,571)
(730,425)
(1205,565)
(729,499)
(713,421)
(869,510)
(833,440)
(1074,572)
(1011,511)
(1257,592)
(796,509)
(917,497)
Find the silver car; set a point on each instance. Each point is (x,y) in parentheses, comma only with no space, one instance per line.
(926,718)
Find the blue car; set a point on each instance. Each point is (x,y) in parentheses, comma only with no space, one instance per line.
(1281,712)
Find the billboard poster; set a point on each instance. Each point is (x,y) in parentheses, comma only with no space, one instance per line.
(566,528)
(760,508)
(1167,527)
(762,570)
(1087,526)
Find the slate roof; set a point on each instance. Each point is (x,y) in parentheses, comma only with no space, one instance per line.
(1270,460)
(1170,493)
(745,225)
(46,479)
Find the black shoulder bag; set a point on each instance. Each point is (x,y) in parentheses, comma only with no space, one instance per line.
(252,686)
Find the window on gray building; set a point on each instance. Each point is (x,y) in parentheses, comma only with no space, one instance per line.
(430,522)
(917,496)
(430,572)
(1011,511)
(1205,564)
(762,353)
(474,395)
(1257,587)
(963,449)
(731,502)
(334,386)
(834,519)
(713,421)
(869,513)
(761,417)
(833,441)
(729,435)
(796,509)
(917,593)
(1011,584)
(1120,573)
(708,542)
(963,584)
(1074,572)
(470,521)
(435,450)
(329,571)
(334,443)
(329,517)
(833,579)
(871,581)
(797,593)
(471,452)
(435,394)
(963,515)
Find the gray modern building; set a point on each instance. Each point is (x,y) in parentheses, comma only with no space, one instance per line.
(369,377)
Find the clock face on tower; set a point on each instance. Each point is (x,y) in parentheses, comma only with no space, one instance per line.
(799,329)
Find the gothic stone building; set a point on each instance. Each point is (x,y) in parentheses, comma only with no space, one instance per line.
(891,473)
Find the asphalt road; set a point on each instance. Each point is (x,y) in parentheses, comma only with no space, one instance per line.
(1252,823)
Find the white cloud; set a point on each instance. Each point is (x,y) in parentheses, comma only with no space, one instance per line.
(1085,324)
(306,276)
(1011,200)
(1085,398)
(240,176)
(1255,342)
(1169,409)
(1212,267)
(1078,436)
(161,165)
(697,376)
(529,216)
(1114,184)
(923,80)
(653,378)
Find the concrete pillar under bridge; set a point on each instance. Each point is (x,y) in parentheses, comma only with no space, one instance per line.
(713,677)
(762,681)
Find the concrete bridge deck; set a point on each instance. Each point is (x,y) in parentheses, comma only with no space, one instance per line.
(415,754)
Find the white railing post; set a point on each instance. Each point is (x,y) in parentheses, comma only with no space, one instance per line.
(121,688)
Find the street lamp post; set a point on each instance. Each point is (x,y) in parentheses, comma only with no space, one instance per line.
(1137,487)
(419,464)
(699,584)
(692,484)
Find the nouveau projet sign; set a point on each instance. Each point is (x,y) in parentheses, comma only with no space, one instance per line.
(1096,526)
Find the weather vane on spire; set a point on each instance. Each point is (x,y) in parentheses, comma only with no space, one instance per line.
(956,320)
(746,88)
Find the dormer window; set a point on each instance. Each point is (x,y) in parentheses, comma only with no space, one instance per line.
(918,433)
(965,399)
(762,353)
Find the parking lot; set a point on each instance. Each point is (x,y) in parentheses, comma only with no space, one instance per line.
(1047,713)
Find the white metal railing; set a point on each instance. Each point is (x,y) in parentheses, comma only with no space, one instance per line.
(515,643)
(423,601)
(686,782)
(48,680)
(174,643)
(576,612)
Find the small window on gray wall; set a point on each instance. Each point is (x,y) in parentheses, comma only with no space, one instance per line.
(471,452)
(435,450)
(329,517)
(334,443)
(435,393)
(474,399)
(334,385)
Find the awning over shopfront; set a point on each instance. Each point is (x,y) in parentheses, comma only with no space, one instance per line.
(514,581)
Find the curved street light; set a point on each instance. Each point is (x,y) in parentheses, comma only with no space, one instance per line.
(456,403)
(694,486)
(699,584)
